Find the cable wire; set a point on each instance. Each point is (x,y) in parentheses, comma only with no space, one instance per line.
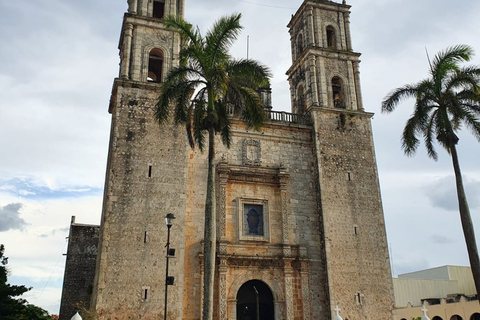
(51,274)
(266,5)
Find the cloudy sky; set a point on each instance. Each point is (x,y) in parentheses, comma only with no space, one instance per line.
(59,59)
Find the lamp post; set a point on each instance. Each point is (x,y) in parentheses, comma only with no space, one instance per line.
(170,252)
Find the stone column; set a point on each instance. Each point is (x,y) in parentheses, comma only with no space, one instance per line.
(324,87)
(347,30)
(288,290)
(343,42)
(283,180)
(126,52)
(143,7)
(352,88)
(136,57)
(313,83)
(310,27)
(356,70)
(132,6)
(232,308)
(223,289)
(305,273)
(222,174)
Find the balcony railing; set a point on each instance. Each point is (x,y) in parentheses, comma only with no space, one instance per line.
(287,117)
(283,117)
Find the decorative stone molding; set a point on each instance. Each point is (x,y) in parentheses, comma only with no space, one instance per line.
(223,289)
(289,296)
(222,203)
(255,175)
(251,153)
(255,262)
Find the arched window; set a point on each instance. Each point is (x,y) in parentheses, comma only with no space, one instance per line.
(337,93)
(301,107)
(475,316)
(158,8)
(437,318)
(299,44)
(155,66)
(456,317)
(331,39)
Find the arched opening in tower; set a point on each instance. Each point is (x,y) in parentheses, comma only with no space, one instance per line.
(331,40)
(337,93)
(155,66)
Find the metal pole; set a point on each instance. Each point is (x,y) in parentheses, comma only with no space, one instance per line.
(258,303)
(166,273)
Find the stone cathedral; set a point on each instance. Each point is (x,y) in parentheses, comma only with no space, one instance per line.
(300,226)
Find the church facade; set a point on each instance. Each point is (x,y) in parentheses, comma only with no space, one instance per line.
(300,226)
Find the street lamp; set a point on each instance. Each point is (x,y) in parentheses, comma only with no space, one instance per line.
(170,253)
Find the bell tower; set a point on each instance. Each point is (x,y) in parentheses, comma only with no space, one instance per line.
(325,83)
(325,69)
(147,49)
(146,176)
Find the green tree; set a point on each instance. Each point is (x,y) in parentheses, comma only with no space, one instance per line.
(11,307)
(201,92)
(444,102)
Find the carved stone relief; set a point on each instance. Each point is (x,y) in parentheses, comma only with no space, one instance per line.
(251,153)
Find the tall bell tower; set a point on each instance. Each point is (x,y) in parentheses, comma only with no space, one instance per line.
(145,177)
(325,69)
(325,83)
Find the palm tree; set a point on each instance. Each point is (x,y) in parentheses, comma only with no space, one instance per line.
(444,102)
(201,93)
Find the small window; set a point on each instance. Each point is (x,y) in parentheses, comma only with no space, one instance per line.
(155,66)
(158,9)
(254,220)
(359,298)
(145,293)
(299,45)
(331,39)
(337,93)
(301,107)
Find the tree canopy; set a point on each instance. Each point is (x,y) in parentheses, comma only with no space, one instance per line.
(12,306)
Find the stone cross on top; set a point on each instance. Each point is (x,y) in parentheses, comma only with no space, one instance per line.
(337,315)
(425,317)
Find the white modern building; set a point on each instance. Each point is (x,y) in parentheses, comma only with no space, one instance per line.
(448,292)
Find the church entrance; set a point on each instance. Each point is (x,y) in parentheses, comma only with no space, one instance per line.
(255,301)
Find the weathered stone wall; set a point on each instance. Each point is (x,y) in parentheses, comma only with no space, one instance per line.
(285,152)
(79,268)
(357,259)
(146,179)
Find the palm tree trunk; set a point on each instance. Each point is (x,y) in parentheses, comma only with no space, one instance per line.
(209,246)
(467,224)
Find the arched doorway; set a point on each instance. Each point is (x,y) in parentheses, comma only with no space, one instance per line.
(255,295)
(475,316)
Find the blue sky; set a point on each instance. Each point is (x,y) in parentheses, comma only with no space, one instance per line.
(59,59)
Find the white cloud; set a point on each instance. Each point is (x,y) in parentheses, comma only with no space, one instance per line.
(442,193)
